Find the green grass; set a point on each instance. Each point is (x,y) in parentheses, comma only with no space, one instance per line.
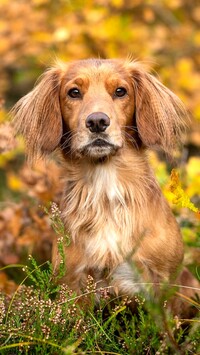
(45,319)
(42,317)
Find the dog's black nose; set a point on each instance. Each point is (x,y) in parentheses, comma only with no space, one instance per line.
(97,122)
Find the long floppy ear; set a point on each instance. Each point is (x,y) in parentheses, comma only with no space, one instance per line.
(160,115)
(37,116)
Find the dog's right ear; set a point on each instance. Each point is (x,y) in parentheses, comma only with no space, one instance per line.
(160,116)
(37,116)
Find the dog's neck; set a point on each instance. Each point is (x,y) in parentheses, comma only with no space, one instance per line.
(130,170)
(107,193)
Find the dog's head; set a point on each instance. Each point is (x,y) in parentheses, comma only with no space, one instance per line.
(93,108)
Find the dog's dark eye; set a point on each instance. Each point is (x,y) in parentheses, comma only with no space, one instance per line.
(74,93)
(119,92)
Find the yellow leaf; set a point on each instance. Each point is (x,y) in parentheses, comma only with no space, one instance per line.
(193,167)
(40,2)
(117,3)
(14,183)
(42,37)
(2,115)
(61,34)
(196,112)
(179,197)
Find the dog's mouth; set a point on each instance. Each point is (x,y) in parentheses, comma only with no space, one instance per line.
(99,142)
(99,148)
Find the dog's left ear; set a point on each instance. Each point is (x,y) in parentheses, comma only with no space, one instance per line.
(160,115)
(37,116)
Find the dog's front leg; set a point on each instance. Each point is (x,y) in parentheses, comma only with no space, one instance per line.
(127,280)
(77,276)
(74,265)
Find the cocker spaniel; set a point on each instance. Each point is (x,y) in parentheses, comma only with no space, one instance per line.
(103,116)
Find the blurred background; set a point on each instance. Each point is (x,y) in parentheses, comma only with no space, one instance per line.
(165,34)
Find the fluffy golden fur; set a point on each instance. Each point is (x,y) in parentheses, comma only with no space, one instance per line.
(102,115)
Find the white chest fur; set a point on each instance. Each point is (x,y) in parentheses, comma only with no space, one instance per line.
(101,213)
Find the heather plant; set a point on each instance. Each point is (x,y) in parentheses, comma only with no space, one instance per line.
(43,317)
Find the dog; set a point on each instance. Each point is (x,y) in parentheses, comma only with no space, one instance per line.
(103,116)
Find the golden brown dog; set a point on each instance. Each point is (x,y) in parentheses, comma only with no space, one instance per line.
(102,115)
